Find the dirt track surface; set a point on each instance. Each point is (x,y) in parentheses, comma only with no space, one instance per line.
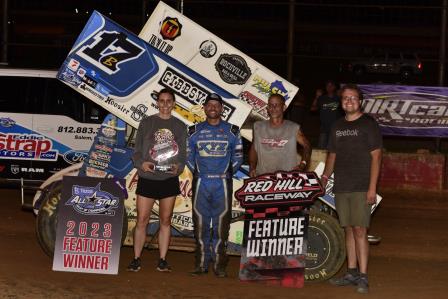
(411,262)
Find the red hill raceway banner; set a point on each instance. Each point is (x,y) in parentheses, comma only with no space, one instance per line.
(120,72)
(275,226)
(418,111)
(176,35)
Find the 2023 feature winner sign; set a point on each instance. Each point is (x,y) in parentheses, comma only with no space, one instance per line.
(275,226)
(90,220)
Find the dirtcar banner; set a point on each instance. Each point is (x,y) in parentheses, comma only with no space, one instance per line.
(275,226)
(120,72)
(89,228)
(178,36)
(408,110)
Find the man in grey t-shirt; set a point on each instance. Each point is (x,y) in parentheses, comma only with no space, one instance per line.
(354,154)
(274,143)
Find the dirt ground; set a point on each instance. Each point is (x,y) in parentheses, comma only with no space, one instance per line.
(411,261)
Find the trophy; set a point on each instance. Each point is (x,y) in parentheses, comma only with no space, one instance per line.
(165,148)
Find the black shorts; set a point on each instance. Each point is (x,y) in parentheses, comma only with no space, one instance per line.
(158,189)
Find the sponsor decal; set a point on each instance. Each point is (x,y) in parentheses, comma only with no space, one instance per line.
(232,69)
(274,142)
(208,49)
(160,44)
(73,64)
(108,49)
(81,72)
(212,148)
(108,132)
(7,122)
(70,77)
(280,188)
(93,172)
(171,28)
(89,81)
(27,147)
(92,91)
(256,103)
(104,148)
(120,107)
(92,201)
(267,88)
(73,157)
(139,112)
(100,156)
(31,170)
(190,91)
(15,169)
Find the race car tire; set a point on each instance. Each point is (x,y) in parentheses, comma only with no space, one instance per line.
(47,220)
(326,247)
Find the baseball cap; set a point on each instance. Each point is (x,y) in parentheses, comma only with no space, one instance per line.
(213,96)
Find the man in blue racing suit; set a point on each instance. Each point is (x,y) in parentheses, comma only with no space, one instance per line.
(214,153)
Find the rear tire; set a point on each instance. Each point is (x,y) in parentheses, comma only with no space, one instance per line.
(326,247)
(47,220)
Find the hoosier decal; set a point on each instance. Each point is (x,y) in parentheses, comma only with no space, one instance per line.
(280,188)
(232,69)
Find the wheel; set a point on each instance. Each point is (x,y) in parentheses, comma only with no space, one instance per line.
(47,220)
(326,247)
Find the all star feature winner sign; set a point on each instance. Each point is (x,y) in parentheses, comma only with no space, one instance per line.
(90,220)
(275,226)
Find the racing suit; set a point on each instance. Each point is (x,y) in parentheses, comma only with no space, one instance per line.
(214,153)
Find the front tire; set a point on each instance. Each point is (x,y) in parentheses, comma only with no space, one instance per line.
(326,247)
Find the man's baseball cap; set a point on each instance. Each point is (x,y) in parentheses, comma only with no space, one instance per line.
(213,96)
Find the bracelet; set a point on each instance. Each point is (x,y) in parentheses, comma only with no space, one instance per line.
(303,162)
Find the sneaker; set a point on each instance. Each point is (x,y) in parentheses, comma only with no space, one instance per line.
(135,265)
(163,266)
(347,279)
(198,271)
(373,240)
(362,285)
(220,273)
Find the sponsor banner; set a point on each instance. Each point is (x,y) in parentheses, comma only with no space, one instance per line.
(90,220)
(275,226)
(123,74)
(34,146)
(408,110)
(176,35)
